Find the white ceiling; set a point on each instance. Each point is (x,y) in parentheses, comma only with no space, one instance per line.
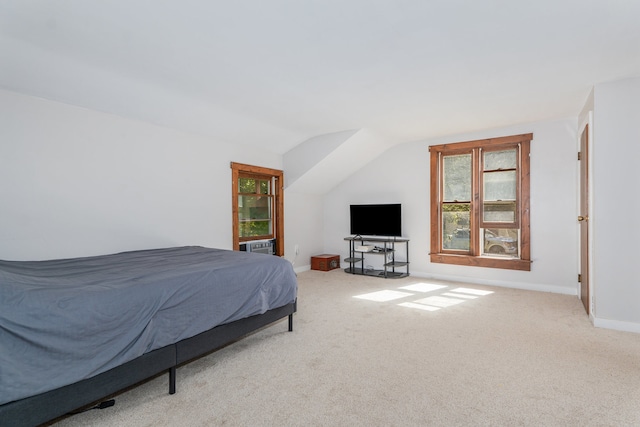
(278,72)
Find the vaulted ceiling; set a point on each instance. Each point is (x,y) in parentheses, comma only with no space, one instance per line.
(276,73)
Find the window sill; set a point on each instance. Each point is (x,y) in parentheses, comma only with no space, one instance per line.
(477,261)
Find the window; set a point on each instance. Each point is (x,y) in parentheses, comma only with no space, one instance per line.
(255,207)
(258,207)
(480,203)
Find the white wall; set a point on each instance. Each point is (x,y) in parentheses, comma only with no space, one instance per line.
(401,175)
(304,226)
(76,182)
(615,156)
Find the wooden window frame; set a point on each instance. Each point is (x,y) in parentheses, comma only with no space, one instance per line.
(277,177)
(270,194)
(474,257)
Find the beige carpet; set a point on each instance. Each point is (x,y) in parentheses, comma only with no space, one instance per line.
(450,356)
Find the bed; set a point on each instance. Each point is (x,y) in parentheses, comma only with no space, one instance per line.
(74,331)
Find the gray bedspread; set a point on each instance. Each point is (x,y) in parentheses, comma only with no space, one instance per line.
(62,321)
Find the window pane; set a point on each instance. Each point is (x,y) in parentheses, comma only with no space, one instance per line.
(254,215)
(264,187)
(455,226)
(255,228)
(457,178)
(499,211)
(254,207)
(499,186)
(246,185)
(494,160)
(500,241)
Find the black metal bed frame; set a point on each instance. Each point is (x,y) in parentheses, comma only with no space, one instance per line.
(48,406)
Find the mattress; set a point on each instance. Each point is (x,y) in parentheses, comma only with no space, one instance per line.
(65,320)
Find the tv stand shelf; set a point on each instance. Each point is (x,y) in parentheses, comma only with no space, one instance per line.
(359,246)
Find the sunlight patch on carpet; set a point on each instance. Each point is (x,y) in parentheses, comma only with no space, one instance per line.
(451,294)
(440,301)
(443,296)
(382,296)
(472,291)
(419,306)
(423,287)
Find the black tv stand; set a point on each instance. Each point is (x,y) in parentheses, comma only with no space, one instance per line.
(359,246)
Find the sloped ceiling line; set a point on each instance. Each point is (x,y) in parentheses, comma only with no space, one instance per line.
(322,162)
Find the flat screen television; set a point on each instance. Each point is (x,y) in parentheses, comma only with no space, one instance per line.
(376,220)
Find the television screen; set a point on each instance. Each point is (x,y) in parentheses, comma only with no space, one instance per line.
(376,220)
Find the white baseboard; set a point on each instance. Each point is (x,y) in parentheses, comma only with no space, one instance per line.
(618,325)
(500,283)
(302,268)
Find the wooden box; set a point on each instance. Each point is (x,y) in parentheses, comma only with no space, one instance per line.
(325,262)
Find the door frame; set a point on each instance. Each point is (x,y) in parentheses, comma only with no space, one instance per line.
(585,249)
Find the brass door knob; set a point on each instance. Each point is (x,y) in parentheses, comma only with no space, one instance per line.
(583,218)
